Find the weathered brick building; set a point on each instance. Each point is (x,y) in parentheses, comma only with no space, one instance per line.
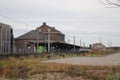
(55,35)
(6,39)
(42,36)
(27,42)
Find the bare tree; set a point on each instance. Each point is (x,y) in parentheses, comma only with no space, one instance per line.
(111,3)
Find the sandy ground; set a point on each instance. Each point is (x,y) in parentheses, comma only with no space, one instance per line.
(113,59)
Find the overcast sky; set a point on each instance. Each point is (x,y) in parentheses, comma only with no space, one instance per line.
(87,20)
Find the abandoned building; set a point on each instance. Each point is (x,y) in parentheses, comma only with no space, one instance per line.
(43,39)
(6,39)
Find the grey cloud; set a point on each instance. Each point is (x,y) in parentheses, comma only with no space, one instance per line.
(85,19)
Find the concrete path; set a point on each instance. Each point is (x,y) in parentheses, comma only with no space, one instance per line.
(113,59)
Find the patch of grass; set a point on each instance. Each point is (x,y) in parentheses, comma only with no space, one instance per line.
(114,74)
(99,53)
(76,71)
(23,68)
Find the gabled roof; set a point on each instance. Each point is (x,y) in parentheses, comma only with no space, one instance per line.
(32,35)
(52,28)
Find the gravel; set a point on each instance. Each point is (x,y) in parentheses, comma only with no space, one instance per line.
(109,60)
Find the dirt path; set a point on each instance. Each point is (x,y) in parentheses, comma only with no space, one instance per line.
(99,61)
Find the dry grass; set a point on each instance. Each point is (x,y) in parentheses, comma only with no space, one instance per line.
(102,52)
(23,68)
(93,53)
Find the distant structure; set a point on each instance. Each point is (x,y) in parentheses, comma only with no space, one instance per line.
(97,46)
(6,39)
(43,39)
(116,48)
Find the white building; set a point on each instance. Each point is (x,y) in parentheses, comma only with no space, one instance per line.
(98,46)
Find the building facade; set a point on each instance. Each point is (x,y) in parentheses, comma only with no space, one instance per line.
(6,39)
(29,41)
(55,35)
(98,46)
(44,37)
(26,43)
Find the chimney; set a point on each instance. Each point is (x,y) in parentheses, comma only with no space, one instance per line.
(44,23)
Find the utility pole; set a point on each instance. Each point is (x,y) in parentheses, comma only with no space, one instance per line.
(34,47)
(26,28)
(119,48)
(108,44)
(100,41)
(48,40)
(25,47)
(37,40)
(74,42)
(84,45)
(80,42)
